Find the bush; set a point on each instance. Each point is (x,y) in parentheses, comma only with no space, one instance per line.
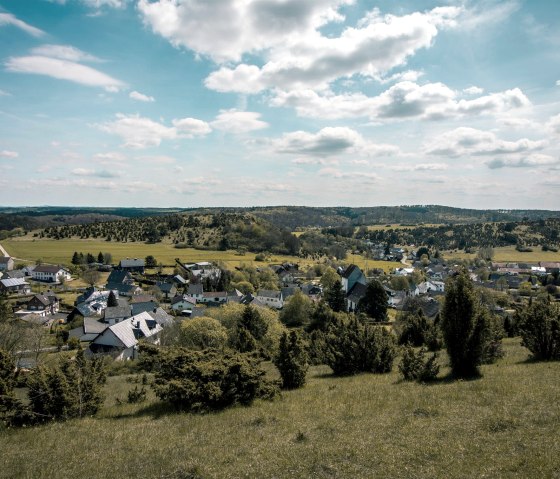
(415,367)
(351,347)
(136,395)
(292,361)
(414,327)
(540,329)
(209,380)
(493,349)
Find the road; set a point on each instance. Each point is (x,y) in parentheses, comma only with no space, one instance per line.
(3,251)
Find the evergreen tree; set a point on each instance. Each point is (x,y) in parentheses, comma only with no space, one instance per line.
(150,261)
(253,322)
(335,297)
(540,329)
(112,300)
(464,326)
(90,258)
(292,361)
(76,258)
(374,303)
(100,258)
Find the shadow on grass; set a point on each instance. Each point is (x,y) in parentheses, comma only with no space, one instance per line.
(155,410)
(447,379)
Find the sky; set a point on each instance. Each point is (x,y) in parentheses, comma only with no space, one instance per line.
(188,103)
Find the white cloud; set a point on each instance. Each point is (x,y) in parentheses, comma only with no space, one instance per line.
(420,167)
(95,173)
(139,132)
(469,141)
(64,52)
(534,160)
(330,141)
(474,90)
(486,12)
(234,121)
(404,100)
(4,93)
(141,97)
(110,157)
(554,124)
(557,82)
(361,176)
(63,70)
(9,154)
(96,3)
(9,19)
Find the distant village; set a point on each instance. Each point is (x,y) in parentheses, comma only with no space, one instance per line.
(113,319)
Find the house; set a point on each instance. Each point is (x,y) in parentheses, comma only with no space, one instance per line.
(120,277)
(271,298)
(350,276)
(314,291)
(431,286)
(289,291)
(182,302)
(89,330)
(41,305)
(168,290)
(179,280)
(14,286)
(161,317)
(354,296)
(195,290)
(6,263)
(120,340)
(146,306)
(14,274)
(404,271)
(132,265)
(116,314)
(50,273)
(252,300)
(234,296)
(214,297)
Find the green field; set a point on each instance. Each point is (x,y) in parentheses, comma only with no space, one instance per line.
(60,252)
(505,425)
(509,254)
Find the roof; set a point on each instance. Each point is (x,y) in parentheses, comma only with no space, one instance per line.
(143,298)
(132,263)
(92,325)
(269,293)
(121,311)
(182,297)
(13,282)
(179,279)
(138,308)
(47,268)
(214,294)
(44,300)
(161,317)
(165,287)
(357,292)
(195,288)
(16,273)
(117,276)
(5,259)
(349,270)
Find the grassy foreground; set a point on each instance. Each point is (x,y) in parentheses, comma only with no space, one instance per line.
(506,424)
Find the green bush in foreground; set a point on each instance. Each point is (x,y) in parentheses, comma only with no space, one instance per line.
(540,330)
(352,347)
(210,380)
(415,367)
(292,361)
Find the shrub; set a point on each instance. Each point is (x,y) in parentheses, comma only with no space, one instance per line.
(415,367)
(209,380)
(136,395)
(493,349)
(540,329)
(414,327)
(203,333)
(352,347)
(292,361)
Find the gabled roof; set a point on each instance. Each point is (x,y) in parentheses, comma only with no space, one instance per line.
(357,292)
(143,298)
(195,289)
(269,293)
(119,277)
(214,294)
(165,287)
(161,317)
(93,326)
(5,259)
(179,279)
(16,273)
(42,299)
(349,270)
(115,312)
(47,268)
(138,308)
(132,263)
(183,297)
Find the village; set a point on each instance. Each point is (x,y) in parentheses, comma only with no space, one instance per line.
(136,303)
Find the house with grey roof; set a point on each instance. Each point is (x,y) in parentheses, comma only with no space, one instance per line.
(116,314)
(14,286)
(120,340)
(350,276)
(271,298)
(182,302)
(134,265)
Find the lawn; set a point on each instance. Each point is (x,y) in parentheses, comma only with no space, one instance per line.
(505,425)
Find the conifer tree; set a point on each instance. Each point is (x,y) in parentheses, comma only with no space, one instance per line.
(292,361)
(335,297)
(112,300)
(374,303)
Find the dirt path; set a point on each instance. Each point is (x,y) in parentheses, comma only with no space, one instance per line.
(3,251)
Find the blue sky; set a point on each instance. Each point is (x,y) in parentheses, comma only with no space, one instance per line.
(264,102)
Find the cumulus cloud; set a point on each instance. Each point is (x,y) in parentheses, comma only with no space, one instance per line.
(62,62)
(420,167)
(530,161)
(141,97)
(9,19)
(554,124)
(139,132)
(9,154)
(234,121)
(330,141)
(469,141)
(433,101)
(473,90)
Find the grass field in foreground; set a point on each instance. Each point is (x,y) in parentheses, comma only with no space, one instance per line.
(509,254)
(505,425)
(60,252)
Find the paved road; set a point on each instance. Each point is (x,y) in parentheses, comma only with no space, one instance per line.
(3,251)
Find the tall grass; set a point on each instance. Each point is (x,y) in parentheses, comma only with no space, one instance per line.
(506,424)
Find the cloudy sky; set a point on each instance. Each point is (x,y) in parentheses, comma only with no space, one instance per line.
(265,102)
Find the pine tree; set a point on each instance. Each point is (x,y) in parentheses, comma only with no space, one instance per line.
(90,258)
(76,258)
(112,300)
(335,297)
(100,258)
(292,361)
(464,325)
(374,303)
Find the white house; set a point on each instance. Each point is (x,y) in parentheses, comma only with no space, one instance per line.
(50,273)
(270,298)
(120,340)
(182,302)
(6,263)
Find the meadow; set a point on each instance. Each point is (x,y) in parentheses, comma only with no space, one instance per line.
(506,424)
(60,252)
(506,254)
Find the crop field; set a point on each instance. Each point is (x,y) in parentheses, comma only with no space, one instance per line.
(504,425)
(509,254)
